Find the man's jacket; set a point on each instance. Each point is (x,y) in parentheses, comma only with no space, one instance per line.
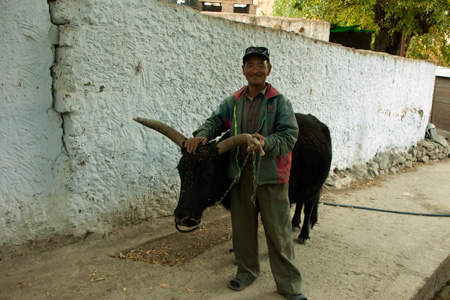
(277,124)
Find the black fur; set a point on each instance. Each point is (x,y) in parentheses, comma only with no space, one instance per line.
(311,161)
(204,180)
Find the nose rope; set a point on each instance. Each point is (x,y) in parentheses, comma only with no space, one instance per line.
(237,177)
(255,172)
(185,231)
(235,180)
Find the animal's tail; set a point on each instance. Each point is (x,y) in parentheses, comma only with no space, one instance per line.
(315,213)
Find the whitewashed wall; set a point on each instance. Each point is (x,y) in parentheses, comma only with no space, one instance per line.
(32,195)
(85,165)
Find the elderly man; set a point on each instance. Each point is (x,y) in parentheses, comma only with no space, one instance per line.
(260,110)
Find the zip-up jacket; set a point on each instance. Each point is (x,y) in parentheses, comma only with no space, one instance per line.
(277,123)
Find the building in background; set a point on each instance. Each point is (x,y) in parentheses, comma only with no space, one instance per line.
(258,12)
(252,7)
(440,113)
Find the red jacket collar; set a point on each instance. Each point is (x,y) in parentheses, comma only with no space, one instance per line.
(271,92)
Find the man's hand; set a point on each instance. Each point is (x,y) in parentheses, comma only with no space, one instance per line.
(251,147)
(192,143)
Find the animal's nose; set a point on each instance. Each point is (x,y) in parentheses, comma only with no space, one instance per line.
(180,217)
(186,221)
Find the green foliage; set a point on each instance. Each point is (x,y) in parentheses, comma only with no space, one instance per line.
(433,46)
(341,12)
(285,8)
(413,17)
(425,23)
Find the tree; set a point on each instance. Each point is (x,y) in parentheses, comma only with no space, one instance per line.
(415,28)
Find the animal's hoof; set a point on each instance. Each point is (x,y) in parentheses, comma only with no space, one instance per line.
(295,228)
(302,241)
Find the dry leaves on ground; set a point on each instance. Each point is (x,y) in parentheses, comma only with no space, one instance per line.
(178,248)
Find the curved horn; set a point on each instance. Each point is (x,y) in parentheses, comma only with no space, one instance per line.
(237,140)
(164,129)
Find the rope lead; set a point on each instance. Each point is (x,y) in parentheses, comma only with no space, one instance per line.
(385,210)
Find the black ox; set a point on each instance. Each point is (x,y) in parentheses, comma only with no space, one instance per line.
(204,180)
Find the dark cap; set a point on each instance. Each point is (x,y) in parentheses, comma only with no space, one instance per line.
(256,50)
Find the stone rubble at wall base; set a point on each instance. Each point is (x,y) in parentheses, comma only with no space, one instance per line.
(390,162)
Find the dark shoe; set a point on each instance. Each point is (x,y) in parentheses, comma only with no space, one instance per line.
(237,285)
(296,296)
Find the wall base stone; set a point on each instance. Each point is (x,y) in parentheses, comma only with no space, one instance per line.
(390,162)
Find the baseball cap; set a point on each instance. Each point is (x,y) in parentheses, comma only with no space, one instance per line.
(256,50)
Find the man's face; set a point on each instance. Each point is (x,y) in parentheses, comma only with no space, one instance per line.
(256,69)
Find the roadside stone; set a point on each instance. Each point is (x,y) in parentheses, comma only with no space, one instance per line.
(374,173)
(429,146)
(373,165)
(373,169)
(442,141)
(387,162)
(425,159)
(384,160)
(360,172)
(397,159)
(418,154)
(346,181)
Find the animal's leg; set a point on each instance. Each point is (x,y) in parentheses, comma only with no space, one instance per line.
(297,218)
(309,211)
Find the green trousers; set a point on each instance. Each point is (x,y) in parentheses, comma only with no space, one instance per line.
(273,204)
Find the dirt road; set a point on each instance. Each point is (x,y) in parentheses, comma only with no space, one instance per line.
(353,254)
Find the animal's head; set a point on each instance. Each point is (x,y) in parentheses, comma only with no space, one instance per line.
(202,174)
